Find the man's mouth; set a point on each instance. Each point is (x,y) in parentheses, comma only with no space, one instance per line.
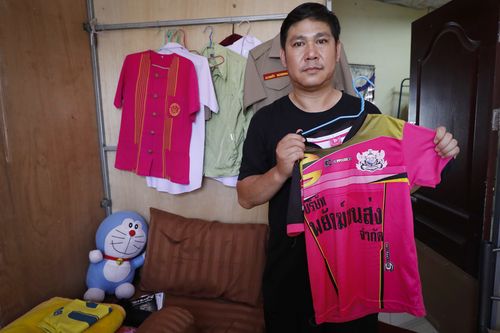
(312,68)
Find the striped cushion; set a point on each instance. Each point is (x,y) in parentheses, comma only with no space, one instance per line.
(215,316)
(194,257)
(171,319)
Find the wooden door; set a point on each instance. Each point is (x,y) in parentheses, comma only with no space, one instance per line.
(453,59)
(452,73)
(50,180)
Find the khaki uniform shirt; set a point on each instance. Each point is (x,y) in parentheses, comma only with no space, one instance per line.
(266,79)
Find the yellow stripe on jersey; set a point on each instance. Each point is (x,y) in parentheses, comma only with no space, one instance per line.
(397,180)
(311,178)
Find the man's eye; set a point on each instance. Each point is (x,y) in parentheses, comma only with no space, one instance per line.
(322,41)
(296,44)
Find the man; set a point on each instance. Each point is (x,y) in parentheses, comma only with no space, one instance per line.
(310,49)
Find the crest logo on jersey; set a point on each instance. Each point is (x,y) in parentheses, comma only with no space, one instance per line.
(371,160)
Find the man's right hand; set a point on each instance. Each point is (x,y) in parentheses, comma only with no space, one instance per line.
(289,150)
(258,189)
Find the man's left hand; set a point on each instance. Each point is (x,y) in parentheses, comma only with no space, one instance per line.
(446,145)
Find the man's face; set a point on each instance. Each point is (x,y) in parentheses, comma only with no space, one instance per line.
(310,54)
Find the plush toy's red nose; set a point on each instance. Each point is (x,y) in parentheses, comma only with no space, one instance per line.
(131,233)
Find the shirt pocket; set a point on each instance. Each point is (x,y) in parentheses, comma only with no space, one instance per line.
(278,83)
(176,107)
(275,77)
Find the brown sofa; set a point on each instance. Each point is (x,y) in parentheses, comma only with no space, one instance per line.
(210,271)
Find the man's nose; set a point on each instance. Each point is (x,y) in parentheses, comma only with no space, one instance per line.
(311,51)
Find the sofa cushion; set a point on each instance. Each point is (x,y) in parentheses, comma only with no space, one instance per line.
(208,259)
(218,316)
(170,319)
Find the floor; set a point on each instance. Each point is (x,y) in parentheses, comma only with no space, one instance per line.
(419,325)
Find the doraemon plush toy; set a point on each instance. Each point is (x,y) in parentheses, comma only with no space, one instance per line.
(120,239)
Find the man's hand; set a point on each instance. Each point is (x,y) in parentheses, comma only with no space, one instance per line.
(258,189)
(289,149)
(446,145)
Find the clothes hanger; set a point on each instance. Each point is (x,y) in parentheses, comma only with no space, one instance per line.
(169,33)
(213,59)
(249,26)
(233,37)
(169,36)
(216,61)
(184,39)
(362,108)
(210,41)
(244,38)
(176,34)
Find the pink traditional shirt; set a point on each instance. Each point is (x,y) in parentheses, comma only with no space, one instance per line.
(358,222)
(159,97)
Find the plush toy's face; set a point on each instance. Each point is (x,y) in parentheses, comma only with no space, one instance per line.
(126,240)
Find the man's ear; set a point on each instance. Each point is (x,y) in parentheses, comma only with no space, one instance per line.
(339,49)
(283,57)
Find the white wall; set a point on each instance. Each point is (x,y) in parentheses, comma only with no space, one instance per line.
(375,33)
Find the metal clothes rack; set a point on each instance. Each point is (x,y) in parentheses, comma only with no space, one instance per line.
(92,28)
(489,263)
(177,23)
(401,94)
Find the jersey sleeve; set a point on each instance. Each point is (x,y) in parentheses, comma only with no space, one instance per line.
(254,159)
(371,108)
(295,216)
(423,163)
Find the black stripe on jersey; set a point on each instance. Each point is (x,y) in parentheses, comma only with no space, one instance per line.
(327,265)
(396,176)
(381,300)
(382,269)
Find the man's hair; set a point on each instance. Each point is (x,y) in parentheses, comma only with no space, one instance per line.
(312,11)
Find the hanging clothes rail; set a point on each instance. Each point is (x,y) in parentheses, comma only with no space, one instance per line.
(176,23)
(93,28)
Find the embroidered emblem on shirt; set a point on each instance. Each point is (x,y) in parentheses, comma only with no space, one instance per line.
(270,76)
(174,109)
(371,160)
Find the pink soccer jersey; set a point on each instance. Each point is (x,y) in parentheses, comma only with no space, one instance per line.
(358,220)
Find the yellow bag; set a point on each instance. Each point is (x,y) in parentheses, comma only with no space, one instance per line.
(28,323)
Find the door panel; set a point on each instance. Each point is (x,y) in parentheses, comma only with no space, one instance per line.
(453,52)
(50,180)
